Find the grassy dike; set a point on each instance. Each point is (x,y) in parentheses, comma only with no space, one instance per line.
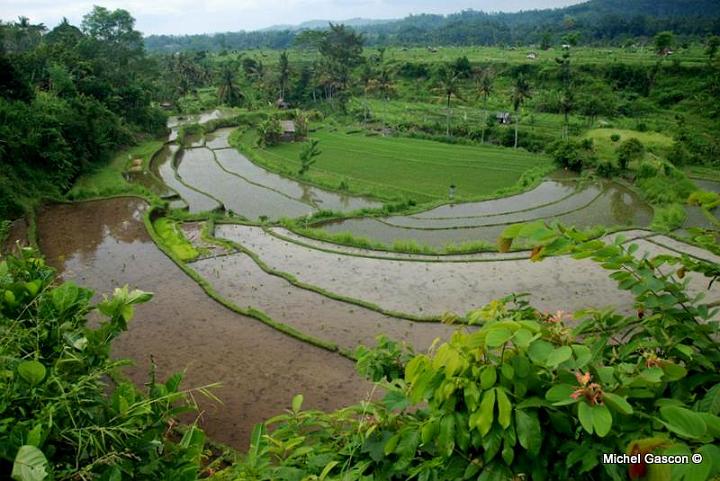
(153,214)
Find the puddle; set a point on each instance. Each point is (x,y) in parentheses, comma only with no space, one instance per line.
(103,245)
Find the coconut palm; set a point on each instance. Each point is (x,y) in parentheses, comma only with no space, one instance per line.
(448,83)
(485,89)
(520,93)
(228,91)
(284,73)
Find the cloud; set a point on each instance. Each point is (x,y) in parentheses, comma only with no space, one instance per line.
(199,16)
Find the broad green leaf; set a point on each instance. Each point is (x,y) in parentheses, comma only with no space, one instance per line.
(522,338)
(582,355)
(504,407)
(327,470)
(673,372)
(558,356)
(391,444)
(683,422)
(617,403)
(711,401)
(601,419)
(487,406)
(585,414)
(539,351)
(488,377)
(30,465)
(497,337)
(527,425)
(32,372)
(65,296)
(560,394)
(297,402)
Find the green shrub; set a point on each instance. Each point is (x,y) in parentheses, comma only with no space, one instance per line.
(706,200)
(174,239)
(522,395)
(61,418)
(646,170)
(615,137)
(630,150)
(668,217)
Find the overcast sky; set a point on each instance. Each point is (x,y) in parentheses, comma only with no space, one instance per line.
(205,16)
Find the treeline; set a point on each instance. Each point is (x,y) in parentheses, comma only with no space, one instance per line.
(594,22)
(69,97)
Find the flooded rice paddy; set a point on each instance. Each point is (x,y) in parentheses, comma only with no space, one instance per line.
(420,287)
(602,203)
(104,245)
(208,174)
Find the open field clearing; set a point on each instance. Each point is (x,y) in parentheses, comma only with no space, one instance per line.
(402,167)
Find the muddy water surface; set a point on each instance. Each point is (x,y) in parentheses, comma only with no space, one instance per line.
(608,204)
(104,244)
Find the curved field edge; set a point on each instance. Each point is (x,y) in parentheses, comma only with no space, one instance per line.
(528,180)
(318,290)
(152,213)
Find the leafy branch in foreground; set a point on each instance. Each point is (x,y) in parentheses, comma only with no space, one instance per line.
(528,395)
(59,417)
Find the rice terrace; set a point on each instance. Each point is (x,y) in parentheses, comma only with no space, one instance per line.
(454,245)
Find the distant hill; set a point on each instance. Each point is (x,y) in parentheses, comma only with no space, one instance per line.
(593,22)
(319,24)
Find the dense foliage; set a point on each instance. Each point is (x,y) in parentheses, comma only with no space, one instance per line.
(528,395)
(68,98)
(64,414)
(596,21)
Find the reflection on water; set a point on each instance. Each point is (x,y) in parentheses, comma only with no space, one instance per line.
(104,244)
(606,204)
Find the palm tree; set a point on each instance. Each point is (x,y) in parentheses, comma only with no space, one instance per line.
(228,91)
(520,93)
(485,89)
(284,73)
(449,85)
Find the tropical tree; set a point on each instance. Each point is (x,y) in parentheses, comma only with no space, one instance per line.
(448,83)
(284,73)
(662,42)
(485,89)
(713,44)
(228,91)
(307,155)
(520,93)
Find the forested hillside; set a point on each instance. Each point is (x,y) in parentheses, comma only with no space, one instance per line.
(593,22)
(69,97)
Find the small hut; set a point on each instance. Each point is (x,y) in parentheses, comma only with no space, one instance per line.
(504,118)
(288,130)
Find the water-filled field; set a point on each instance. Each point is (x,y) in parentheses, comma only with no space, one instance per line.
(104,244)
(207,174)
(585,205)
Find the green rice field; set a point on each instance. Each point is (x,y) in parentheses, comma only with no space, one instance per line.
(395,167)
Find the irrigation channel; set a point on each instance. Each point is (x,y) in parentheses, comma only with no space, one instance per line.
(325,293)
